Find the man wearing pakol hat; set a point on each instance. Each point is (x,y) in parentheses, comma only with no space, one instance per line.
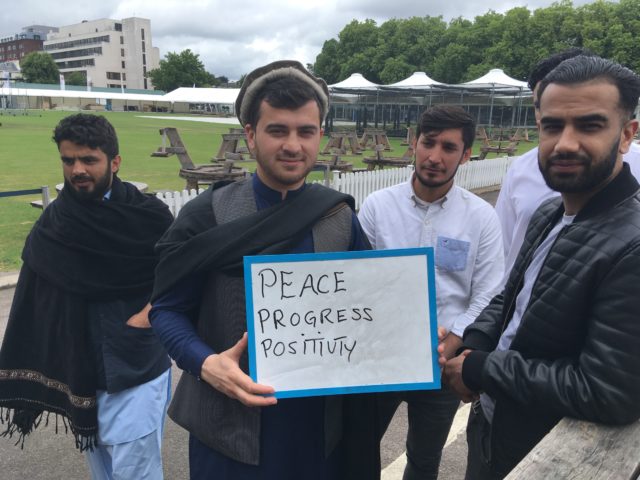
(238,430)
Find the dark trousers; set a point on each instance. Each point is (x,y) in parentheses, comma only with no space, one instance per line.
(479,446)
(430,414)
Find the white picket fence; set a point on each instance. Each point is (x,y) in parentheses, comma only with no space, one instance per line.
(176,200)
(472,176)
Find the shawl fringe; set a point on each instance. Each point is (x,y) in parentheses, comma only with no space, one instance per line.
(21,422)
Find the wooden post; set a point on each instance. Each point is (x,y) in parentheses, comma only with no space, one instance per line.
(46,200)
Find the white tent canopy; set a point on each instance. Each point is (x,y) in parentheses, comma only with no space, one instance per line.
(357,82)
(417,80)
(39,92)
(496,78)
(202,95)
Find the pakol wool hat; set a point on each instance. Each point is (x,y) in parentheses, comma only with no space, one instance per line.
(256,80)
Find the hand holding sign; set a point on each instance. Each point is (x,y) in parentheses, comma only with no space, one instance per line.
(222,372)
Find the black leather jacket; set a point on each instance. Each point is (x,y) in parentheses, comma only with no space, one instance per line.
(577,350)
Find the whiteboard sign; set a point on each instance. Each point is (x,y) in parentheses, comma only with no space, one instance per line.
(347,322)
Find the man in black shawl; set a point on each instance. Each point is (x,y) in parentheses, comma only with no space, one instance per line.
(237,430)
(78,343)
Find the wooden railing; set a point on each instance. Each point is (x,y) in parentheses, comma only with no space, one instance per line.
(581,450)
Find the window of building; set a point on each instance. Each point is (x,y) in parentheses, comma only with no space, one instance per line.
(142,33)
(124,77)
(144,71)
(123,64)
(118,27)
(121,40)
(122,52)
(145,83)
(113,75)
(83,52)
(143,47)
(144,59)
(78,43)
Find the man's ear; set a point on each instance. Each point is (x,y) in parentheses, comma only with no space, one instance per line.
(466,156)
(251,136)
(115,164)
(627,135)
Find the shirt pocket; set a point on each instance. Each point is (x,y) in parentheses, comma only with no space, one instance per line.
(451,254)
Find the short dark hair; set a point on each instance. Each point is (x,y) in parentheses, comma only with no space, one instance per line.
(544,66)
(94,131)
(443,117)
(287,93)
(582,69)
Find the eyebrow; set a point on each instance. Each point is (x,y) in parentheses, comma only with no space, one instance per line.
(84,158)
(594,117)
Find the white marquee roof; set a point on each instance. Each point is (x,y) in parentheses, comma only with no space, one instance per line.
(418,79)
(355,81)
(495,78)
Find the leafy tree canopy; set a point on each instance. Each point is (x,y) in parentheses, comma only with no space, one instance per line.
(182,69)
(39,67)
(463,49)
(76,78)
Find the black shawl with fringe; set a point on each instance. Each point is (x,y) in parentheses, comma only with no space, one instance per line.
(77,252)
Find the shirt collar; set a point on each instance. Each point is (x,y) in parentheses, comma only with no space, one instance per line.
(418,202)
(107,196)
(270,195)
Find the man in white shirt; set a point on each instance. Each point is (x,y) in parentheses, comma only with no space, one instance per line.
(430,211)
(523,188)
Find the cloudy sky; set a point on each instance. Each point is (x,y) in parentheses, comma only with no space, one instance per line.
(234,36)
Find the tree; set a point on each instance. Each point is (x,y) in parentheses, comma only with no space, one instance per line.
(76,78)
(39,67)
(182,69)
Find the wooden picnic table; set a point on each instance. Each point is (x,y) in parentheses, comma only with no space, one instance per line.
(340,140)
(373,137)
(232,143)
(380,161)
(196,174)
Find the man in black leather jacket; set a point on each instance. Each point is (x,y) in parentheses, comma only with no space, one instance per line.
(562,338)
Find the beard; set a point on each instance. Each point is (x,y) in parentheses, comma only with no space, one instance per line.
(430,183)
(101,186)
(592,175)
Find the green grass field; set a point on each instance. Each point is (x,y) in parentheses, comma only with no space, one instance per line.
(29,159)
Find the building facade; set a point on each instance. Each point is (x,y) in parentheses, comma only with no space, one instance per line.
(31,39)
(110,53)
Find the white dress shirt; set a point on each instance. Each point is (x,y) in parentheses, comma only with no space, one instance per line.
(465,232)
(523,191)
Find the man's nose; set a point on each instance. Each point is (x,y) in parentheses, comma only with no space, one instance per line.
(78,168)
(292,144)
(567,141)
